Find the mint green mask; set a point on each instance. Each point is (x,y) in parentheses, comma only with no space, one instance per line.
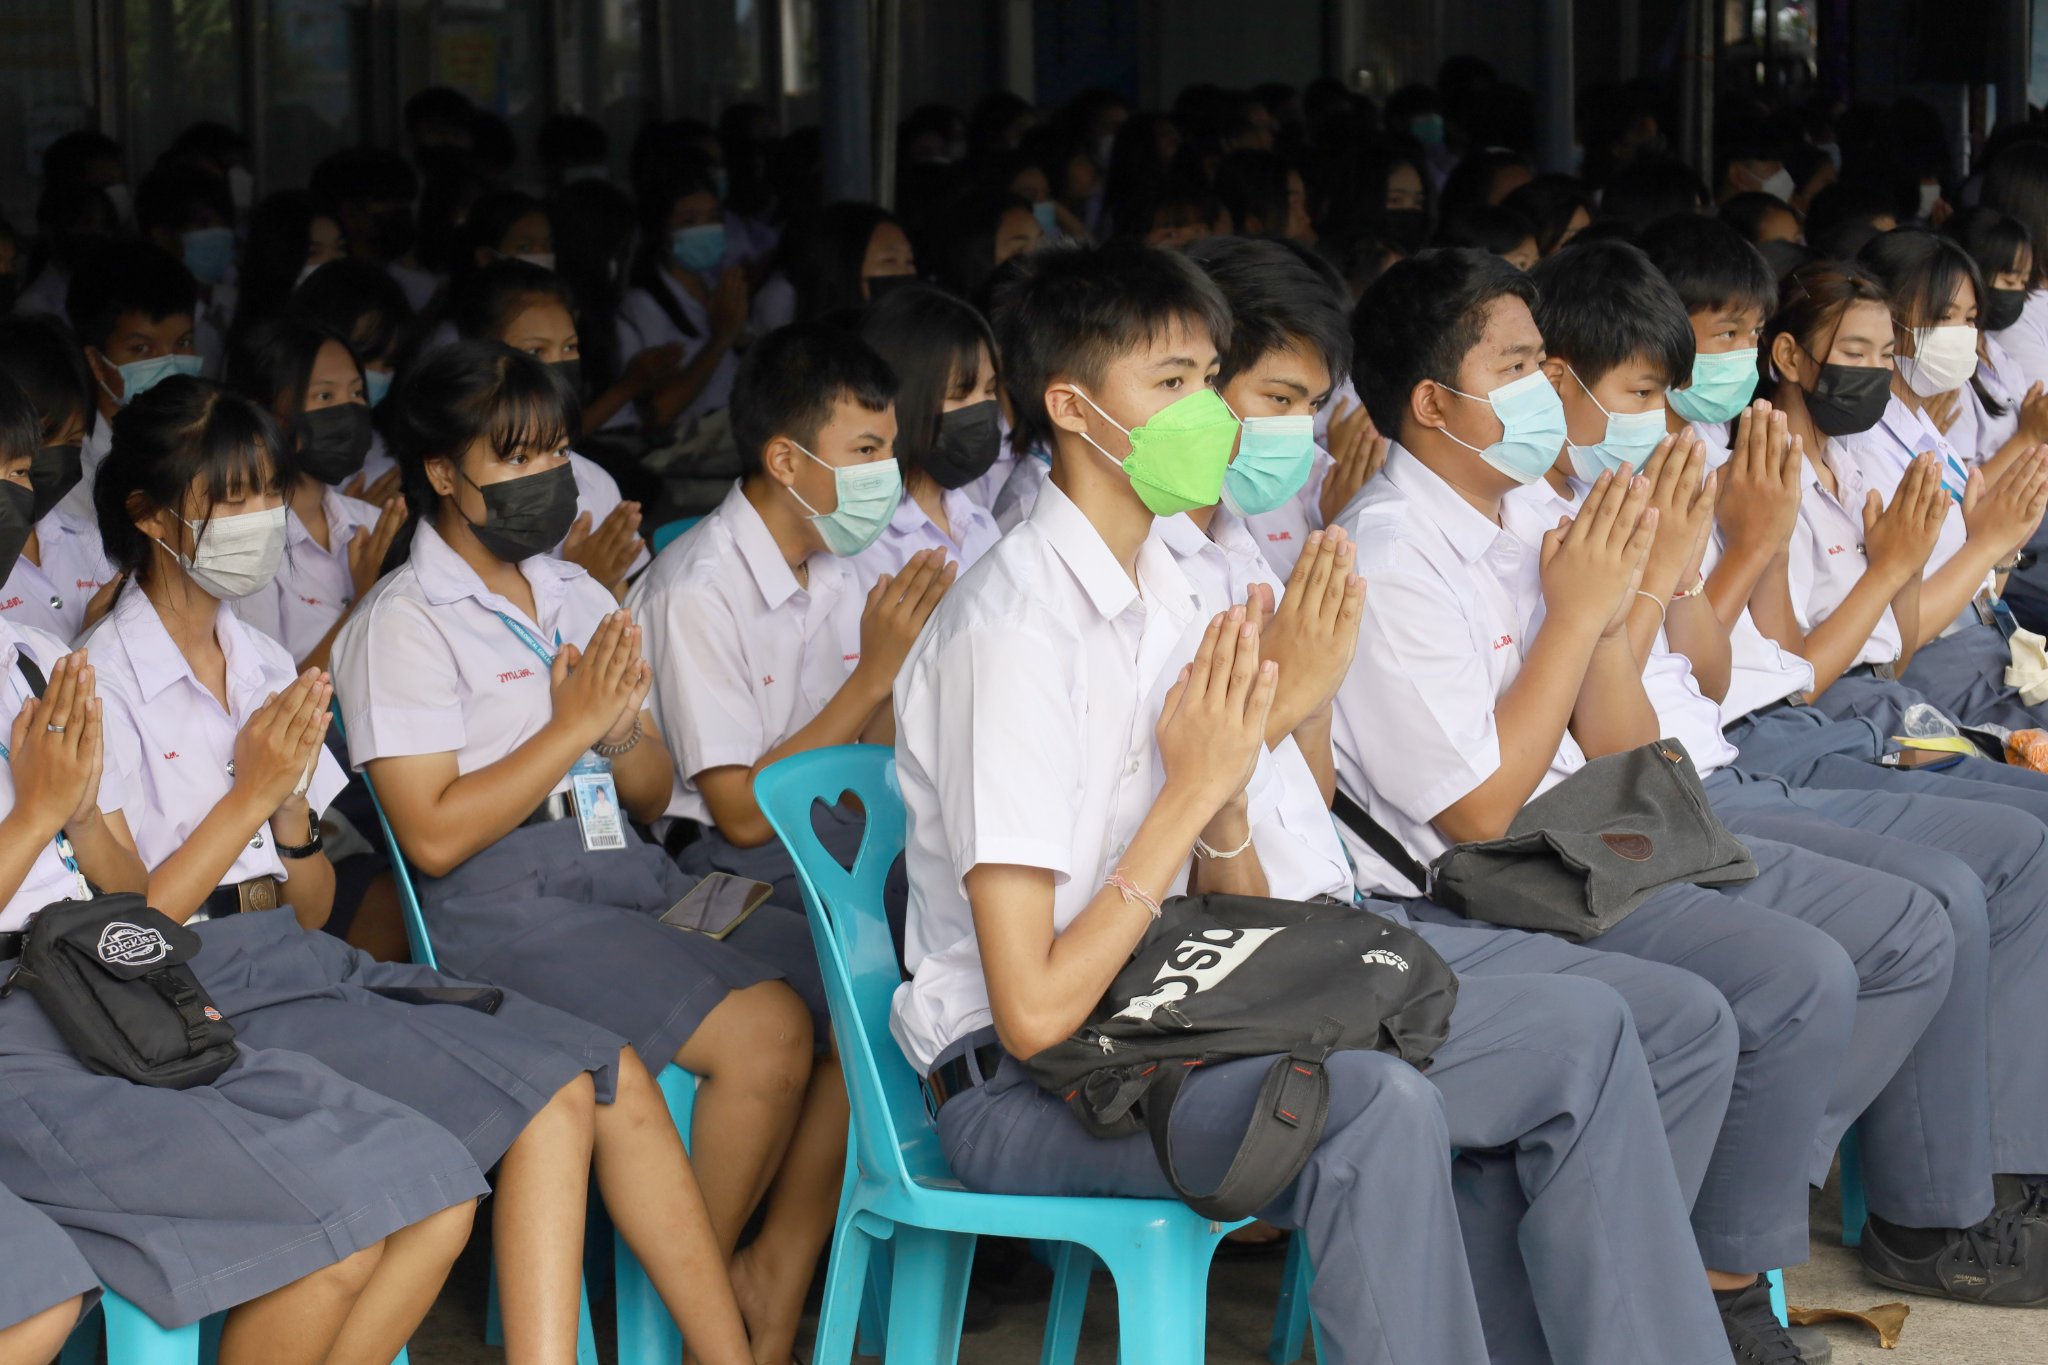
(1179,457)
(1274,457)
(1722,385)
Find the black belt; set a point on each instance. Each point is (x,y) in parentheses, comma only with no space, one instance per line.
(559,806)
(1884,672)
(10,945)
(955,1077)
(257,893)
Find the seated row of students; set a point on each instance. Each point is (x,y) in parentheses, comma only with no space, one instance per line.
(1118,684)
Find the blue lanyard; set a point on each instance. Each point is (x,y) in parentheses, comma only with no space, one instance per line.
(529,639)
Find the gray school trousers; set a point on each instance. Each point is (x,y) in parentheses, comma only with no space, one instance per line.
(1548,1073)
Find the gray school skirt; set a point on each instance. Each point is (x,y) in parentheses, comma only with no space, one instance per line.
(39,1267)
(189,1202)
(582,932)
(481,1076)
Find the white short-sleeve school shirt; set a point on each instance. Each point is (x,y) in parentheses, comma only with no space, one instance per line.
(744,655)
(1979,432)
(314,584)
(1826,555)
(48,879)
(643,323)
(1024,736)
(30,599)
(1885,451)
(1452,600)
(427,663)
(172,741)
(1020,491)
(379,461)
(911,529)
(597,493)
(2026,341)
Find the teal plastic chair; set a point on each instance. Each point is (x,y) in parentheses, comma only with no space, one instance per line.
(1855,1209)
(669,530)
(133,1338)
(645,1330)
(902,1195)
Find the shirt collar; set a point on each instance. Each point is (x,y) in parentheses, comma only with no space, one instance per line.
(1470,532)
(342,520)
(446,579)
(1080,547)
(772,576)
(159,663)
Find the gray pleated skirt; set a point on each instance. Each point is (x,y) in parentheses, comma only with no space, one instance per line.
(39,1267)
(582,932)
(189,1202)
(481,1076)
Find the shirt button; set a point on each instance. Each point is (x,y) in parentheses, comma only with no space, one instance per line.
(1133,771)
(256,842)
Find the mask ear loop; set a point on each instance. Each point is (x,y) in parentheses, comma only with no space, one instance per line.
(1470,398)
(1113,422)
(810,510)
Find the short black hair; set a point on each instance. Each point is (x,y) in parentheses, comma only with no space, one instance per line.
(1490,227)
(1747,212)
(790,380)
(1710,264)
(358,299)
(1844,217)
(271,364)
(172,196)
(1276,299)
(1996,241)
(20,434)
(125,276)
(437,104)
(1644,191)
(1253,184)
(1603,304)
(1418,321)
(484,301)
(1549,202)
(469,391)
(1069,310)
(38,352)
(1921,270)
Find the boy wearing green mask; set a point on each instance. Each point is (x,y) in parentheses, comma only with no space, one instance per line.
(762,644)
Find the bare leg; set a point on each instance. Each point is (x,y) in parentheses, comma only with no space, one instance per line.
(379,926)
(388,1311)
(771,1276)
(36,1340)
(541,1191)
(752,1055)
(653,1198)
(297,1325)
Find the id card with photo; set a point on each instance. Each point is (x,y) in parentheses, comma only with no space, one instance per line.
(597,806)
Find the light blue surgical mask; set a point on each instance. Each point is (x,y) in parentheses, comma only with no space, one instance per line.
(1722,385)
(377,385)
(868,496)
(209,253)
(1048,217)
(1533,429)
(1427,129)
(1274,457)
(698,248)
(140,376)
(1630,438)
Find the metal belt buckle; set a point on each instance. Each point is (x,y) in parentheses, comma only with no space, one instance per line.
(258,893)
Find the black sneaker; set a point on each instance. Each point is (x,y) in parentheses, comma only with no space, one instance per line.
(2003,1260)
(1755,1335)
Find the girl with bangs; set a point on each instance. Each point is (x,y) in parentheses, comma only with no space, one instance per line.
(216,737)
(497,698)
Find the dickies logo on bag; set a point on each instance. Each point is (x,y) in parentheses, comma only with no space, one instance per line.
(1382,958)
(130,945)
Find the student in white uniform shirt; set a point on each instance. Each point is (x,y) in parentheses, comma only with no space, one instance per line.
(948,430)
(763,639)
(1838,864)
(1856,605)
(481,684)
(529,309)
(335,545)
(1443,735)
(37,352)
(1030,893)
(2016,183)
(680,295)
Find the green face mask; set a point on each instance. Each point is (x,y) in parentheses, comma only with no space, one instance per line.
(1179,457)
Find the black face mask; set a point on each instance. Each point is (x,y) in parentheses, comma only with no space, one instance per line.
(526,516)
(2001,308)
(1406,230)
(16,522)
(334,442)
(881,285)
(54,471)
(1848,399)
(967,445)
(392,233)
(570,375)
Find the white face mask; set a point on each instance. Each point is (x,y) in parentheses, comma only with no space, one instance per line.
(1929,196)
(1943,359)
(544,259)
(241,188)
(1780,183)
(237,555)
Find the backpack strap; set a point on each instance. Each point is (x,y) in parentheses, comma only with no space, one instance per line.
(30,670)
(1286,1124)
(1380,840)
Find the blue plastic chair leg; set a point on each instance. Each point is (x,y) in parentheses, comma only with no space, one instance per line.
(928,1295)
(1855,1211)
(1162,1299)
(1291,1316)
(860,1241)
(133,1339)
(1777,1279)
(1073,1265)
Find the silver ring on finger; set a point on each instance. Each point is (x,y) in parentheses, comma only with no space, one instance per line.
(54,729)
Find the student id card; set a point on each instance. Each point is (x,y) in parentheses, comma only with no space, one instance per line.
(597,804)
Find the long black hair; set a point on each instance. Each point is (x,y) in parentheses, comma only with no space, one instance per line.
(184,433)
(41,355)
(930,339)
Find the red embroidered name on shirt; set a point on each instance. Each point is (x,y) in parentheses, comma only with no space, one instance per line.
(1279,535)
(515,675)
(10,604)
(767,680)
(171,754)
(1838,549)
(1503,642)
(84,583)
(852,658)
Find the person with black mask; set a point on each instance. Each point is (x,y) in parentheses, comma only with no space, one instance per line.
(949,429)
(43,358)
(313,384)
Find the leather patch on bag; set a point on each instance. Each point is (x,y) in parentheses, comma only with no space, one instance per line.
(1634,847)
